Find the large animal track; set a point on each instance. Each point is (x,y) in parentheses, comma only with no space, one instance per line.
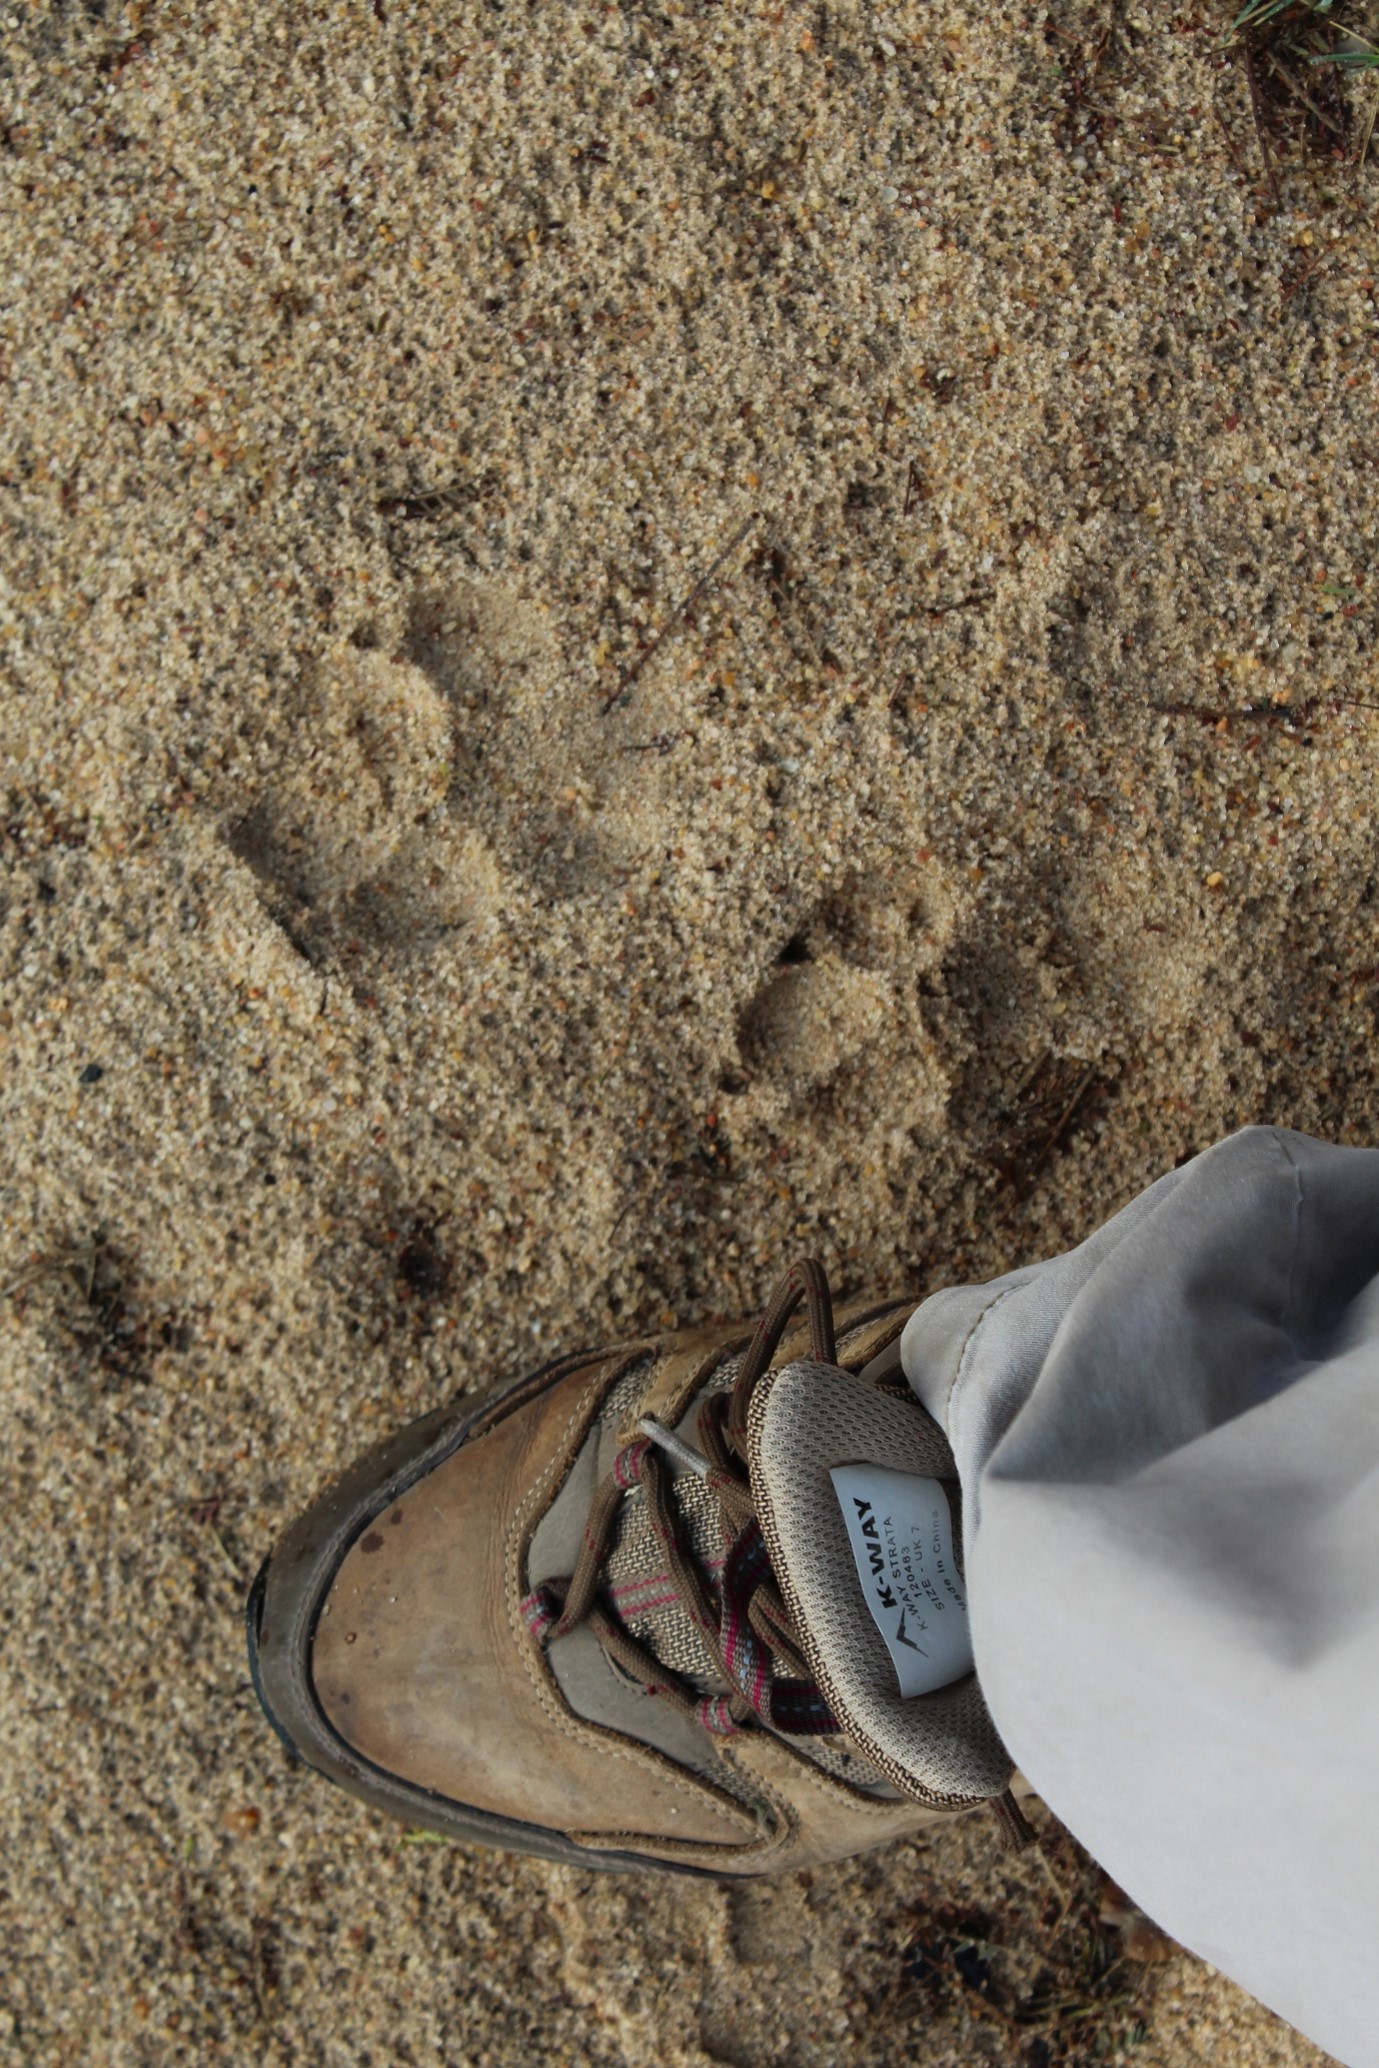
(342,834)
(403,795)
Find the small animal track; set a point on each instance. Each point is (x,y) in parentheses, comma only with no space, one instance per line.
(836,1037)
(805,1024)
(517,772)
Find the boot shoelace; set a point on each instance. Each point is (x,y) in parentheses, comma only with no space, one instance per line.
(745,1623)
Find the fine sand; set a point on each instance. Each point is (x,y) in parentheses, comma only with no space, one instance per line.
(635,640)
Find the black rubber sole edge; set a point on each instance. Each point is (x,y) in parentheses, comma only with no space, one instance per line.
(253,1618)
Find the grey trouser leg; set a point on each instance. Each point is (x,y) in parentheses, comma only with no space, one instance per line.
(1169,1447)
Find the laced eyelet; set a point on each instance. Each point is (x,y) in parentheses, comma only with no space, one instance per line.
(744,1624)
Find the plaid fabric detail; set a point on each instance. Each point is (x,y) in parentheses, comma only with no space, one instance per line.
(716,1716)
(744,1655)
(651,1591)
(799,1708)
(790,1705)
(640,1588)
(627,1465)
(540,1611)
(643,1597)
(640,1594)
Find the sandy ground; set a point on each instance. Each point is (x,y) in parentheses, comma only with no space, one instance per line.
(409,967)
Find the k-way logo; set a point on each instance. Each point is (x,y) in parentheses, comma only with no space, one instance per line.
(901,1638)
(866,1522)
(900,1530)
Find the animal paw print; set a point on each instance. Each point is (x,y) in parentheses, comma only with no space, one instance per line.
(526,763)
(404,795)
(811,1019)
(344,837)
(836,1036)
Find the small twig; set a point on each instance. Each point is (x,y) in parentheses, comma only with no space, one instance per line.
(1257,109)
(629,869)
(634,669)
(913,488)
(187,1930)
(431,502)
(1264,714)
(81,1260)
(1369,132)
(1295,88)
(1230,141)
(973,1997)
(1209,716)
(1308,273)
(1066,1897)
(1030,1074)
(1068,1111)
(661,744)
(938,610)
(225,1553)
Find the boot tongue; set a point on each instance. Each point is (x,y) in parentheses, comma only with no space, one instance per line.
(859,1503)
(640,1587)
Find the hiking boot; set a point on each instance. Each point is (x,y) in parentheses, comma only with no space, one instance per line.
(692,1603)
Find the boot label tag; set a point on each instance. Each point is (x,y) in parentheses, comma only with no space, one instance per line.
(900,1527)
